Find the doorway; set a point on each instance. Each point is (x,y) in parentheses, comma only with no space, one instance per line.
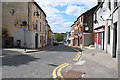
(36,40)
(115,40)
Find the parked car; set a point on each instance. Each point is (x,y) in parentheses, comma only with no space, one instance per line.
(61,43)
(55,43)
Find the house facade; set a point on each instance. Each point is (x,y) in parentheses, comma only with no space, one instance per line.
(23,19)
(72,35)
(84,29)
(106,31)
(49,35)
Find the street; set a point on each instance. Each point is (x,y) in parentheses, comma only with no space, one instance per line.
(37,65)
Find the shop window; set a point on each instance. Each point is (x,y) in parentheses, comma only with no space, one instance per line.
(76,41)
(109,35)
(99,38)
(81,41)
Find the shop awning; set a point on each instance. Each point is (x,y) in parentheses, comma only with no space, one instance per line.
(100,27)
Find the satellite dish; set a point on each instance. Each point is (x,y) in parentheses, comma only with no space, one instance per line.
(104,13)
(86,28)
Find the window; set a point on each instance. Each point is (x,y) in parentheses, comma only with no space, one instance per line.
(40,15)
(81,41)
(101,5)
(36,24)
(109,4)
(36,9)
(99,38)
(95,16)
(109,35)
(81,18)
(95,37)
(115,3)
(40,26)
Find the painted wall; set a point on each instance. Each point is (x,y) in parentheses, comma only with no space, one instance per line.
(29,38)
(86,37)
(118,49)
(12,22)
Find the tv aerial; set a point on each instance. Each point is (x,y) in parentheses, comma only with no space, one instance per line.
(104,13)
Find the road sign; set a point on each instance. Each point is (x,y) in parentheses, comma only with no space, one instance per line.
(24,29)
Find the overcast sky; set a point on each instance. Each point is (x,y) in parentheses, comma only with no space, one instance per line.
(61,14)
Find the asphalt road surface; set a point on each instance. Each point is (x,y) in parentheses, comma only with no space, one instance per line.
(37,65)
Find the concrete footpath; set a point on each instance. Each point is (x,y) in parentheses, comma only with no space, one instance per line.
(96,64)
(17,51)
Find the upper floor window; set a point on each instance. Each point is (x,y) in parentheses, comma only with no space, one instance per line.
(36,9)
(40,26)
(36,25)
(115,3)
(109,4)
(82,19)
(95,16)
(40,15)
(101,5)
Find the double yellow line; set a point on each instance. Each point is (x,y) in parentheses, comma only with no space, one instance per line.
(57,71)
(78,56)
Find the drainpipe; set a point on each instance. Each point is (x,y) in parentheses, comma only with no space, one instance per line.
(28,16)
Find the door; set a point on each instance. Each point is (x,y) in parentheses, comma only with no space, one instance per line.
(36,40)
(78,41)
(115,40)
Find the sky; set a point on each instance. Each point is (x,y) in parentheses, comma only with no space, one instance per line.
(61,14)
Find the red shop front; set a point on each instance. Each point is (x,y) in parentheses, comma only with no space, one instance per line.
(99,37)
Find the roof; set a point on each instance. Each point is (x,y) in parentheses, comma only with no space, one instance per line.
(90,11)
(72,25)
(39,7)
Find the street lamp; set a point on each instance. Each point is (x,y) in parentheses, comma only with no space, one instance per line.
(24,23)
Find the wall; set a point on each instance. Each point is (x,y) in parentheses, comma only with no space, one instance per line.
(86,37)
(118,49)
(13,22)
(29,38)
(41,19)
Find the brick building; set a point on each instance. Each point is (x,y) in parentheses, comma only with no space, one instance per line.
(83,33)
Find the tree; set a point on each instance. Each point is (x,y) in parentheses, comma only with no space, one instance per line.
(58,37)
(4,32)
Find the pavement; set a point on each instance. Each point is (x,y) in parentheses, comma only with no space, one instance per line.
(95,64)
(19,51)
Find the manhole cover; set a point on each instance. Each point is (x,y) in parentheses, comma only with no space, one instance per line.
(71,74)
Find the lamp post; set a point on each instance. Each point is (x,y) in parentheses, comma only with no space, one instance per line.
(24,23)
(24,39)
